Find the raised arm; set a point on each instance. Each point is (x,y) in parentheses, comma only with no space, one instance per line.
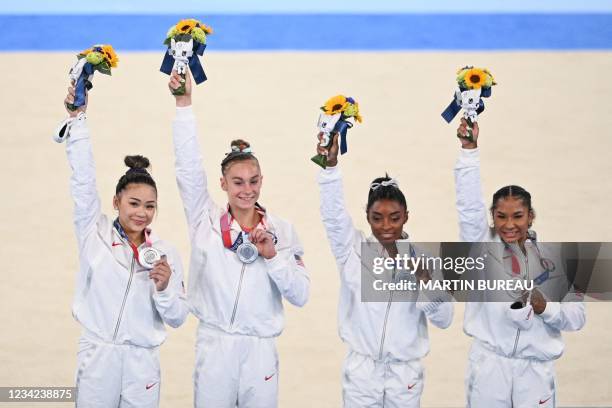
(190,174)
(83,179)
(471,208)
(338,224)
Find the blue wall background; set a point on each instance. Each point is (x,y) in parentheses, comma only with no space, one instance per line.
(140,25)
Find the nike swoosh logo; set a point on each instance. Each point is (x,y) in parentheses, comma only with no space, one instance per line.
(266,378)
(411,386)
(149,386)
(117,243)
(542,402)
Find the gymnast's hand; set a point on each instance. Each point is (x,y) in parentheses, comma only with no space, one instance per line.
(175,83)
(264,243)
(331,152)
(161,274)
(538,302)
(70,100)
(462,130)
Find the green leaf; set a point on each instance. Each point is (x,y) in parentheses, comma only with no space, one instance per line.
(103,68)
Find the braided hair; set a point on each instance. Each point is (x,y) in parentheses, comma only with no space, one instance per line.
(512,191)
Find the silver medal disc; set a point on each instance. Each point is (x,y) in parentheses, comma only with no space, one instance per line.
(247,252)
(149,256)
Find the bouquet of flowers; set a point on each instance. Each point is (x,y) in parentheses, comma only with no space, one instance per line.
(185,41)
(101,58)
(473,84)
(337,117)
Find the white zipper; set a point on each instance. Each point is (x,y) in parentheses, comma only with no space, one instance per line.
(237,295)
(518,331)
(384,331)
(127,290)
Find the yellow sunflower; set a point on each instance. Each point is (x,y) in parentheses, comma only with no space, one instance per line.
(185,26)
(207,29)
(110,55)
(334,105)
(475,78)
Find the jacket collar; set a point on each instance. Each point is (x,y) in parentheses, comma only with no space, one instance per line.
(373,243)
(123,252)
(265,222)
(498,251)
(119,232)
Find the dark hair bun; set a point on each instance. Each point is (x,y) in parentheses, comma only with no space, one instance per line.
(136,162)
(239,145)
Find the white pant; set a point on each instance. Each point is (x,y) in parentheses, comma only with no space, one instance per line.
(235,370)
(495,381)
(370,383)
(111,376)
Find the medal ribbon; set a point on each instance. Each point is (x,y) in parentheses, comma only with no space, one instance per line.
(545,263)
(123,235)
(226,221)
(514,262)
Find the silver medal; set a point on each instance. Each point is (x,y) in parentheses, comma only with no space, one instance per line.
(148,256)
(247,251)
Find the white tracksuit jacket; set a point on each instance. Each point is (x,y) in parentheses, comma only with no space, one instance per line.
(115,300)
(224,293)
(487,322)
(118,306)
(383,331)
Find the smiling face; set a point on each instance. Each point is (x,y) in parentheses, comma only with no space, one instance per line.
(136,204)
(387,218)
(242,182)
(512,219)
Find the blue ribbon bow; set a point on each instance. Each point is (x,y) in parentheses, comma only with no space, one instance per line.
(454,107)
(194,63)
(342,127)
(83,85)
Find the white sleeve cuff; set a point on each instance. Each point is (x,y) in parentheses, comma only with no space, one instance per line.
(163,294)
(470,153)
(184,113)
(551,311)
(329,174)
(273,262)
(468,158)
